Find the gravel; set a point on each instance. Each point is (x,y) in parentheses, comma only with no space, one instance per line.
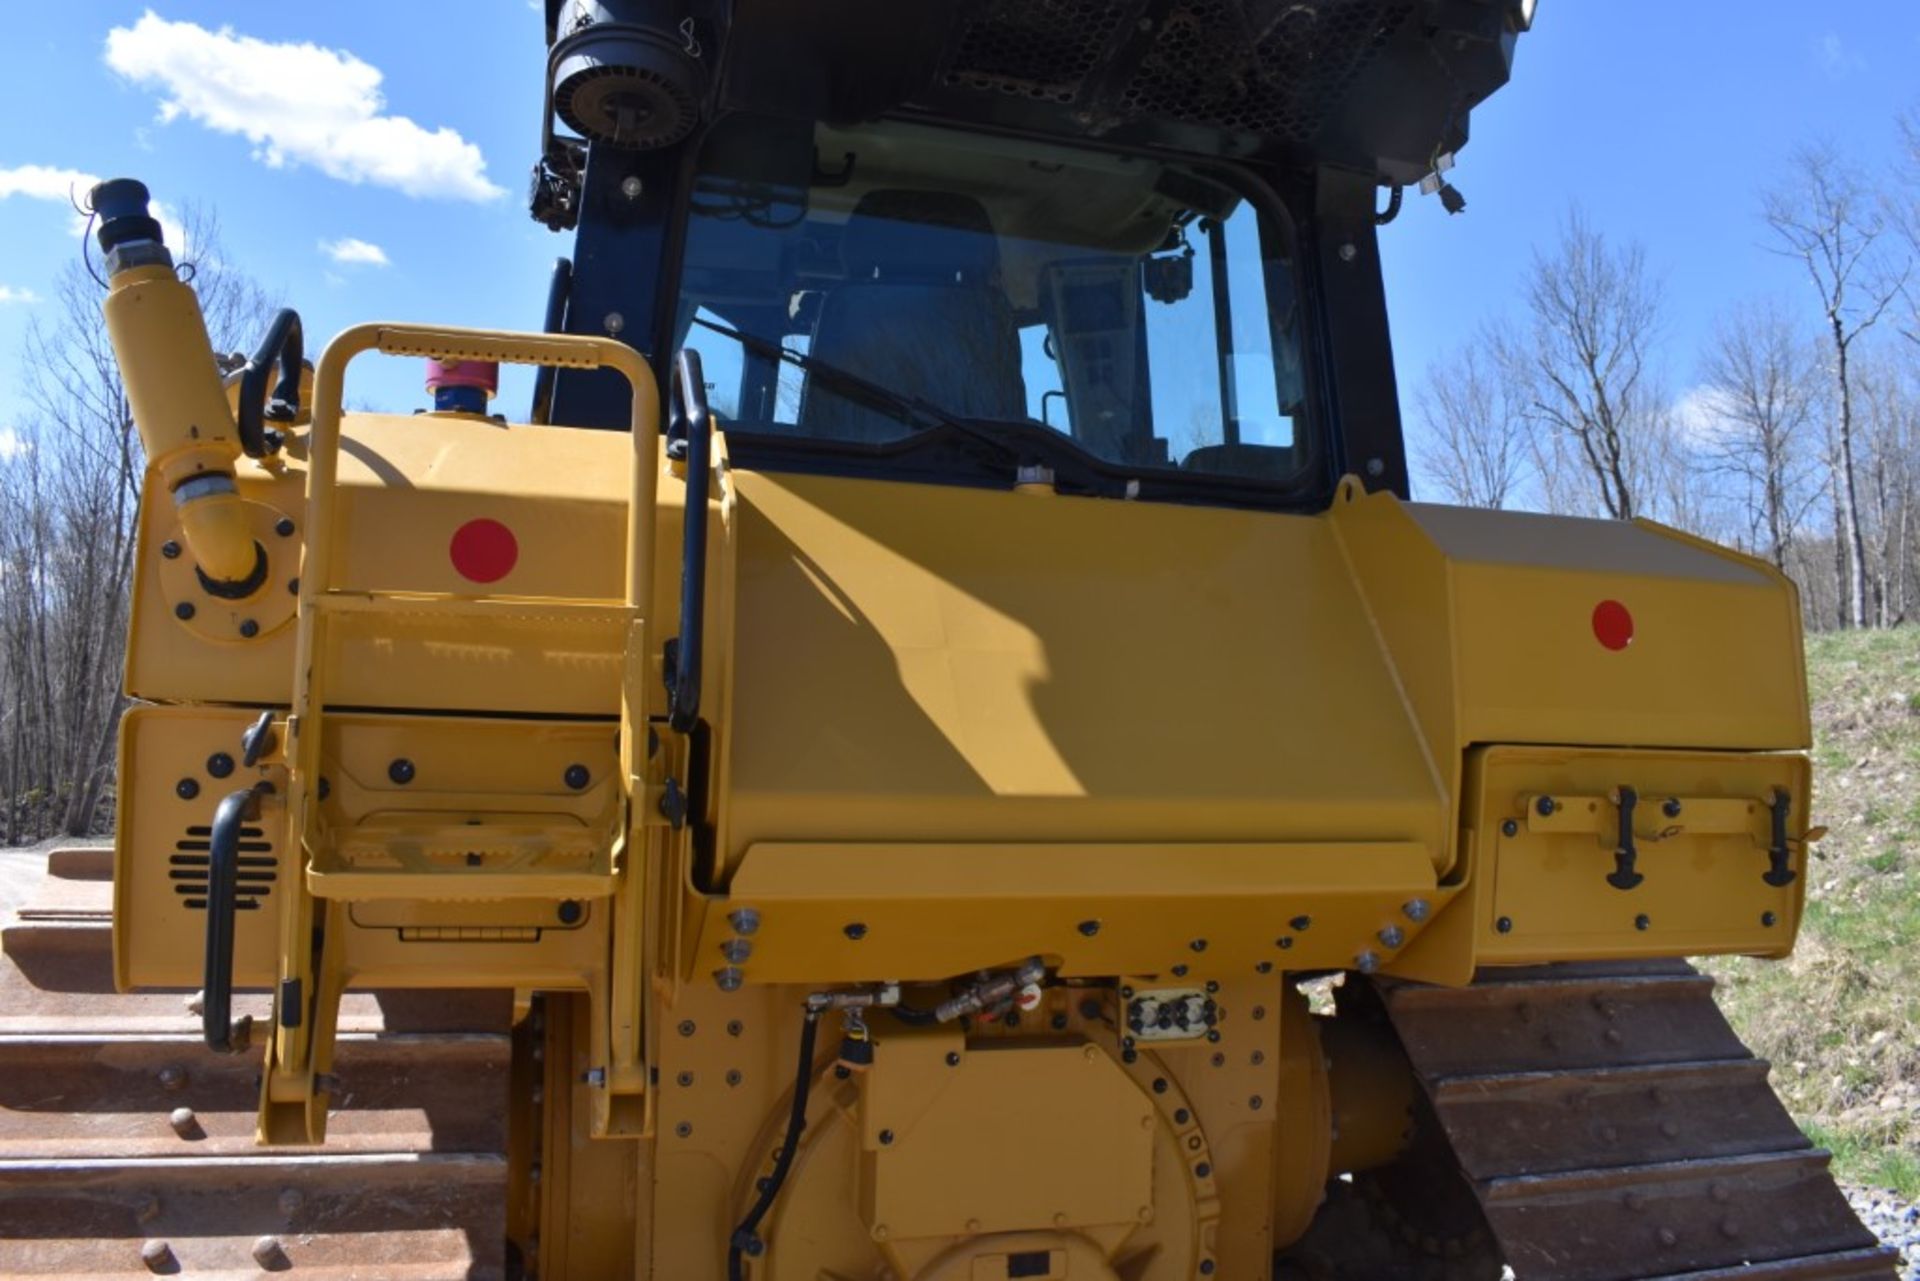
(1895,1221)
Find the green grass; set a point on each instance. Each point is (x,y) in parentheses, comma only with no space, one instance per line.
(1840,1019)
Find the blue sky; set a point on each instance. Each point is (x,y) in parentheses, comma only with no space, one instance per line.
(1661,118)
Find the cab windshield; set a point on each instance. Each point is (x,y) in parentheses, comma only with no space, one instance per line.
(854,291)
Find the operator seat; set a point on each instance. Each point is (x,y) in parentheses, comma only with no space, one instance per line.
(921,312)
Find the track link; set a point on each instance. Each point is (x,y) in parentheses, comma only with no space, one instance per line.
(1614,1128)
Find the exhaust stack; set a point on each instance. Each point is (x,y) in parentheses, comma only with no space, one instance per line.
(179,406)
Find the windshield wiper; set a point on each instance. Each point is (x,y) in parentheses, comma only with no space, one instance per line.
(919,414)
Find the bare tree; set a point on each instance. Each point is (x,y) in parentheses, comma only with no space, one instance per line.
(1475,445)
(1583,361)
(1759,376)
(1826,218)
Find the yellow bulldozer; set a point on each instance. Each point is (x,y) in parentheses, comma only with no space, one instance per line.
(937,748)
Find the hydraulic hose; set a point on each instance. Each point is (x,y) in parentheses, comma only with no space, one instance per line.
(284,344)
(745,1240)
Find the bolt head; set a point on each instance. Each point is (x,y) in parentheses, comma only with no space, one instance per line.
(1504,925)
(736,950)
(1642,922)
(1392,936)
(184,610)
(744,920)
(577,777)
(1089,928)
(570,911)
(729,978)
(1417,910)
(886,1138)
(283,527)
(400,771)
(267,1252)
(856,931)
(157,1255)
(186,789)
(249,628)
(1366,962)
(170,549)
(1768,918)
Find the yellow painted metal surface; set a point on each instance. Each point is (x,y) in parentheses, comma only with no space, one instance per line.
(1174,749)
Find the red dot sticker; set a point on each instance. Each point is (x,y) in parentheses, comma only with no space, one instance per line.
(483,550)
(1612,624)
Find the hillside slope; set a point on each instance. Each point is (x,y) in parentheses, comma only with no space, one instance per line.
(1840,1019)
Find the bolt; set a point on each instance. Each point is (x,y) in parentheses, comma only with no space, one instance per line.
(686,1027)
(1255,1102)
(1348,252)
(400,770)
(1206,1265)
(684,1129)
(1159,1085)
(183,611)
(158,1256)
(293,587)
(185,1123)
(1089,928)
(1672,807)
(733,1076)
(1259,1012)
(1263,967)
(186,789)
(1545,806)
(1416,910)
(1198,945)
(953,1058)
(1768,918)
(856,931)
(684,1080)
(249,628)
(1642,921)
(1202,1170)
(744,920)
(1392,936)
(570,912)
(1366,962)
(1504,925)
(172,1078)
(736,950)
(886,1138)
(1213,985)
(1301,924)
(170,549)
(1257,1057)
(268,1254)
(283,527)
(1510,828)
(577,777)
(1179,971)
(729,978)
(735,1027)
(631,186)
(1213,1034)
(1284,942)
(615,322)
(596,1077)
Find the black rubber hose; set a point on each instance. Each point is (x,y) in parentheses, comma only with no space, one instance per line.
(745,1240)
(285,344)
(690,407)
(913,1016)
(1392,211)
(223,879)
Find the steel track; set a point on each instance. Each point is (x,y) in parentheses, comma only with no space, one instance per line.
(1613,1128)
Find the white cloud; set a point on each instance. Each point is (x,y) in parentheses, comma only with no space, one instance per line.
(43,182)
(1702,415)
(299,104)
(9,293)
(351,251)
(1836,59)
(12,444)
